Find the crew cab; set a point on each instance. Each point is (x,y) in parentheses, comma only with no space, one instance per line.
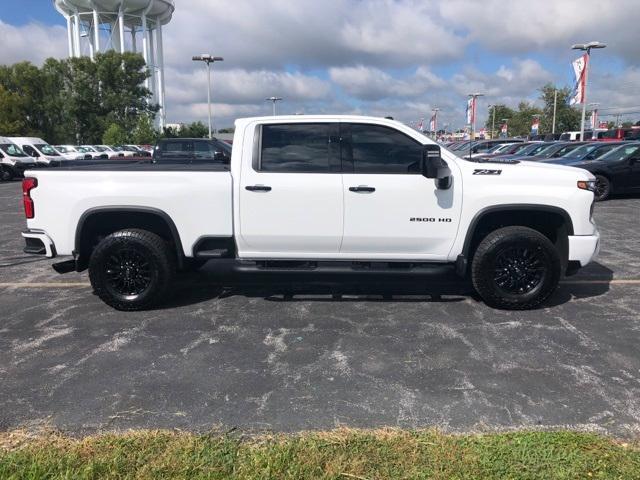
(314,195)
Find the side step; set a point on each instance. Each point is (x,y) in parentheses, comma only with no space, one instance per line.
(306,270)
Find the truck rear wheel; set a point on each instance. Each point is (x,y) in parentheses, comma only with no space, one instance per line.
(132,269)
(515,268)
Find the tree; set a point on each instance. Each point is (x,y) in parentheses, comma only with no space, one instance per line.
(75,99)
(502,111)
(194,130)
(145,133)
(567,117)
(114,135)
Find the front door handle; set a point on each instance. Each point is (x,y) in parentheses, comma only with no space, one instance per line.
(258,188)
(362,189)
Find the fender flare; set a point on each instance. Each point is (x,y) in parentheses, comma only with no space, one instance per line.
(129,209)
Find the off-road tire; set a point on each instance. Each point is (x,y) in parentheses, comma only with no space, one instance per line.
(152,254)
(491,264)
(603,188)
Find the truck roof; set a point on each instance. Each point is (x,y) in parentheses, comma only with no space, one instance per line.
(321,118)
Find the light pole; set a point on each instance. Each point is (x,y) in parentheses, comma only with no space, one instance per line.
(474,97)
(273,101)
(435,111)
(555,106)
(594,117)
(493,121)
(586,47)
(208,59)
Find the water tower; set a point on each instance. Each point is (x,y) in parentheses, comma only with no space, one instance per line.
(124,25)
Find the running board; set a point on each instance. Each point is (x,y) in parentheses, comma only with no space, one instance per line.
(322,269)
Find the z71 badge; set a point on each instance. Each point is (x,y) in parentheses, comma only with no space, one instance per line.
(484,171)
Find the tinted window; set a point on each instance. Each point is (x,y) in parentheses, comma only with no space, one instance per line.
(298,147)
(378,149)
(177,149)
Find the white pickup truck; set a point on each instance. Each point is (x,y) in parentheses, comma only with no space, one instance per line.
(312,195)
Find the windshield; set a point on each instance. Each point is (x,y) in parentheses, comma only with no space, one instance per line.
(610,134)
(540,148)
(100,149)
(497,148)
(553,150)
(620,153)
(62,149)
(582,151)
(12,150)
(47,149)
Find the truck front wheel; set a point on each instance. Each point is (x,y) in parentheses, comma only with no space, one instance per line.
(132,269)
(515,268)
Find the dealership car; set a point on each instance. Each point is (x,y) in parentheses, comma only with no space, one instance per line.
(555,150)
(617,171)
(588,151)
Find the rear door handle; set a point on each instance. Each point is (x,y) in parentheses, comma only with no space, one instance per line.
(362,189)
(258,188)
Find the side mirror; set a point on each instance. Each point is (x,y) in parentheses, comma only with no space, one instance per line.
(433,166)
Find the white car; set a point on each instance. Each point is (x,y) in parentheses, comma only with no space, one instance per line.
(72,152)
(317,196)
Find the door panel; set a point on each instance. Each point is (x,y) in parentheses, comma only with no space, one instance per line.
(291,200)
(405,216)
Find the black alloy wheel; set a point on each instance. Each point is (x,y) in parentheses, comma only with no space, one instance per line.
(128,272)
(519,270)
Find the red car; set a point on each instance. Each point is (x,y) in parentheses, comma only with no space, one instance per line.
(617,134)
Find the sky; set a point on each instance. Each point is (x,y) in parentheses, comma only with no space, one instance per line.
(369,57)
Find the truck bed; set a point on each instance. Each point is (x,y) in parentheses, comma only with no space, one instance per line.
(197,199)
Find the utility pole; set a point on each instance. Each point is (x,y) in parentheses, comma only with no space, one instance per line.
(555,106)
(587,48)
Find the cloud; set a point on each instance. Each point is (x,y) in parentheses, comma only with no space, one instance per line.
(33,42)
(521,27)
(369,83)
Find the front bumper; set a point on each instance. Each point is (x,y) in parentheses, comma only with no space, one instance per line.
(584,248)
(38,243)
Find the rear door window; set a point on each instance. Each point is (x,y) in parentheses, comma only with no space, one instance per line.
(296,148)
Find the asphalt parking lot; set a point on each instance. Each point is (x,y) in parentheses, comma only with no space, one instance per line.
(260,359)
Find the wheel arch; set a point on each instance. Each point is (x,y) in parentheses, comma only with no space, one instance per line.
(553,222)
(97,222)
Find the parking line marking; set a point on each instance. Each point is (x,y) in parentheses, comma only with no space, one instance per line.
(620,281)
(46,285)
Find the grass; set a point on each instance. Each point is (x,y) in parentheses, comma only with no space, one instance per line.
(341,454)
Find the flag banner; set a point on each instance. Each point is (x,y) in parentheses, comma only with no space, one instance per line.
(432,123)
(471,110)
(603,125)
(535,126)
(579,70)
(421,124)
(594,119)
(504,129)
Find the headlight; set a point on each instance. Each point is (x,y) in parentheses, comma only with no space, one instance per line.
(587,185)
